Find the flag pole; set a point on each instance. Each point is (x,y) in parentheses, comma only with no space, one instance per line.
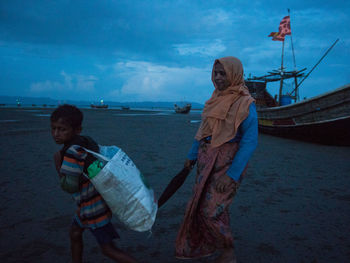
(291,40)
(281,83)
(296,97)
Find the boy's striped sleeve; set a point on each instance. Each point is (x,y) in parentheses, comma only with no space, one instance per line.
(72,168)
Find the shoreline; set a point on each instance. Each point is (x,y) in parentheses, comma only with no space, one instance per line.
(292,206)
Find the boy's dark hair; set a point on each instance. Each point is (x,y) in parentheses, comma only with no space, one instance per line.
(68,113)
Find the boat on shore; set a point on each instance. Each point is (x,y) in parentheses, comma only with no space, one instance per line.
(184,109)
(322,119)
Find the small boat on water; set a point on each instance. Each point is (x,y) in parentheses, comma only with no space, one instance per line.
(184,109)
(322,119)
(94,106)
(125,107)
(99,106)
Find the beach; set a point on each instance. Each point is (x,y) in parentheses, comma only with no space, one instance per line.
(293,204)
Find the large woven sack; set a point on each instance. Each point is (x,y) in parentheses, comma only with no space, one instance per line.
(125,190)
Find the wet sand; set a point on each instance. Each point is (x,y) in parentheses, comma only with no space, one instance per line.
(293,205)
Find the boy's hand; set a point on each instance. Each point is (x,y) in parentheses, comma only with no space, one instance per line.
(57,159)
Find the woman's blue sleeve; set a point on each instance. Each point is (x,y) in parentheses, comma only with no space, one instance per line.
(192,154)
(247,144)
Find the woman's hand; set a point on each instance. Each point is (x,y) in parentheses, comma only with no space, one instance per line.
(176,182)
(224,183)
(57,160)
(189,164)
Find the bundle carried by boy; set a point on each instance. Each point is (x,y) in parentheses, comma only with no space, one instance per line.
(119,182)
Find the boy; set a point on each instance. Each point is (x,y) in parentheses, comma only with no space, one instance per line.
(71,162)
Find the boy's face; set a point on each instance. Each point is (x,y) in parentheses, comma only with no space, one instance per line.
(62,132)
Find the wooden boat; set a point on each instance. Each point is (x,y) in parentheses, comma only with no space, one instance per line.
(184,109)
(323,119)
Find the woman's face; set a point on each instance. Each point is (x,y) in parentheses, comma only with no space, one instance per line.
(220,77)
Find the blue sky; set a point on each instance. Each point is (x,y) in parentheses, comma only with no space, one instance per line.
(162,50)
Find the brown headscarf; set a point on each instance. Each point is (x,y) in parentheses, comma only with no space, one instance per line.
(225,110)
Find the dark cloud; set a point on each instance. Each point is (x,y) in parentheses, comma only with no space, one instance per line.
(40,39)
(140,27)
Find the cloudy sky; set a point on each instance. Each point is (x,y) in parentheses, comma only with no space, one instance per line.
(162,50)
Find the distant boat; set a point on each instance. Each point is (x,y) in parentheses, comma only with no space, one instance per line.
(101,106)
(125,107)
(184,109)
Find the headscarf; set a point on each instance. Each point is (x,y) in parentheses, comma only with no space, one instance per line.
(227,109)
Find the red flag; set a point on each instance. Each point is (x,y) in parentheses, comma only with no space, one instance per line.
(276,36)
(283,30)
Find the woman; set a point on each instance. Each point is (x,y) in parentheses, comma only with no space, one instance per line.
(224,143)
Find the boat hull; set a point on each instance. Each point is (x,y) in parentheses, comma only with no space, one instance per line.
(323,119)
(332,132)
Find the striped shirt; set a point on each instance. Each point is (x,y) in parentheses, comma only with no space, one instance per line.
(92,210)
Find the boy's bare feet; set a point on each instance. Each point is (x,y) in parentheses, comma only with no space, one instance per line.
(227,256)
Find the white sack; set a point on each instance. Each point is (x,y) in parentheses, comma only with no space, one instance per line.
(124,189)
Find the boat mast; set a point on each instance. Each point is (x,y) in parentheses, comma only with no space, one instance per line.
(296,97)
(291,40)
(281,73)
